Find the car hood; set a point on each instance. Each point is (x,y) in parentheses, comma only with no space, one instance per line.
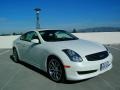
(82,47)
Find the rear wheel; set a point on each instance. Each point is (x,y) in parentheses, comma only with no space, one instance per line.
(15,55)
(55,70)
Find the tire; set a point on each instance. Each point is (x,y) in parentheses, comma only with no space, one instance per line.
(15,56)
(55,70)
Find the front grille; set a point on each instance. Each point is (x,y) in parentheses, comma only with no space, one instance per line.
(97,56)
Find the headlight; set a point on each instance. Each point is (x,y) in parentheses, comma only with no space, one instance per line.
(73,56)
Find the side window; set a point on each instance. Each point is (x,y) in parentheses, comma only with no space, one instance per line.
(34,36)
(30,36)
(23,37)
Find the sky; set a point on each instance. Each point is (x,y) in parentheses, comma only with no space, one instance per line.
(19,15)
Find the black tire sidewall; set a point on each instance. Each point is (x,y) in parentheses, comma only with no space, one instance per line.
(17,59)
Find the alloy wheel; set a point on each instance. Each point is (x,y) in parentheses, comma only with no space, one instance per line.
(55,70)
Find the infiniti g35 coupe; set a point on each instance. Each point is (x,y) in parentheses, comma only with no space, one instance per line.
(62,55)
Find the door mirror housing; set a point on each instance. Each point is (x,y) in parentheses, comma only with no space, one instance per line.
(36,41)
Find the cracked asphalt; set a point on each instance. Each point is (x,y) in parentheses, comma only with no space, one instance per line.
(21,76)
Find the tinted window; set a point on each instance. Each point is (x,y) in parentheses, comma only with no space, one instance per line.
(23,37)
(57,35)
(29,36)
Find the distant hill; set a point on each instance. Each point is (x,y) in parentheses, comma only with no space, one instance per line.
(100,29)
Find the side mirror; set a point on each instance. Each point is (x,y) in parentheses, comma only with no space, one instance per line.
(35,41)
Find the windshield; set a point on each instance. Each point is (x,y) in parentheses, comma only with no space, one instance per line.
(56,35)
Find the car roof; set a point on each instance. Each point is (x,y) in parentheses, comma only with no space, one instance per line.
(46,29)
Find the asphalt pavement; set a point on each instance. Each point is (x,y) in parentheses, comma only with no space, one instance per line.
(21,76)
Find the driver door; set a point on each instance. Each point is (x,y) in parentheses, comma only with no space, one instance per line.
(33,50)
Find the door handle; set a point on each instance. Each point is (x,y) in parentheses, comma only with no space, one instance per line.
(24,45)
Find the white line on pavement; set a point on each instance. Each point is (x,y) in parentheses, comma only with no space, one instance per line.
(107,83)
(114,48)
(4,52)
(9,80)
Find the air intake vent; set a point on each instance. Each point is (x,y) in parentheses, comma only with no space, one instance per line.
(97,56)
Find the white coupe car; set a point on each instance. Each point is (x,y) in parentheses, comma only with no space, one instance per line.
(62,55)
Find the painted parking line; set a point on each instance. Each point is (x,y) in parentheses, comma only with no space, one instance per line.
(115,48)
(107,83)
(10,79)
(4,52)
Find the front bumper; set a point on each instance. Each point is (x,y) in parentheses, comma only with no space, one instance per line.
(87,69)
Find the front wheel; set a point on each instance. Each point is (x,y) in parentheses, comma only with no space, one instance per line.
(55,70)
